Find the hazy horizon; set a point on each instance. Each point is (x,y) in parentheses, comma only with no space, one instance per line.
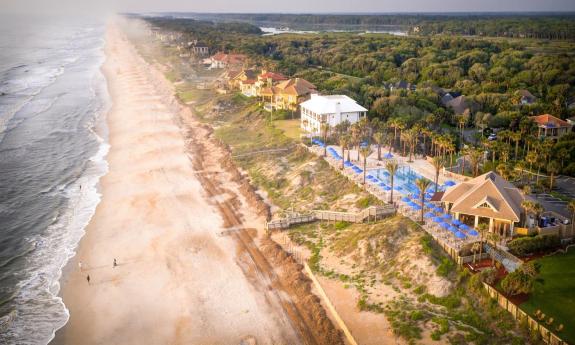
(293,7)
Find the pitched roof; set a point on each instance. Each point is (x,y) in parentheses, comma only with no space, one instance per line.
(297,87)
(503,200)
(332,104)
(273,76)
(549,121)
(526,94)
(458,104)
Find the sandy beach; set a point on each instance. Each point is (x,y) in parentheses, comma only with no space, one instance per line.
(178,279)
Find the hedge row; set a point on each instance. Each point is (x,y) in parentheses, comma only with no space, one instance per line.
(528,245)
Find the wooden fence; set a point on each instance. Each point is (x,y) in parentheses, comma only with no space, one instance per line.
(547,335)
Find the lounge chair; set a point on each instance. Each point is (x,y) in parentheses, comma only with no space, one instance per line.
(542,316)
(559,328)
(538,312)
(550,321)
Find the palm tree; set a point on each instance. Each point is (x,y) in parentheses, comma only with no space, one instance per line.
(344,143)
(365,152)
(552,169)
(422,184)
(531,207)
(475,156)
(324,129)
(516,136)
(391,167)
(356,137)
(438,164)
(482,228)
(411,139)
(379,138)
(571,207)
(531,158)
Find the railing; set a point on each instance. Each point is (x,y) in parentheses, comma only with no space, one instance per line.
(372,212)
(508,260)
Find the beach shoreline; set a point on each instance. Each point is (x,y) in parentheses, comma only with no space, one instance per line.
(177,280)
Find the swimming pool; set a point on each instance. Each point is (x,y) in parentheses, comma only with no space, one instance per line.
(404,180)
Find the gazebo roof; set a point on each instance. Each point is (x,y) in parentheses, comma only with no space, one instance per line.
(488,195)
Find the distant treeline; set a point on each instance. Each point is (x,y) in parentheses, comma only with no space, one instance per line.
(198,27)
(545,26)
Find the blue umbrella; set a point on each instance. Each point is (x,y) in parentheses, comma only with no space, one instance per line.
(464,227)
(430,205)
(437,219)
(456,222)
(397,188)
(405,199)
(416,207)
(459,234)
(473,233)
(387,188)
(437,209)
(386,173)
(449,183)
(453,229)
(388,155)
(412,204)
(348,164)
(382,184)
(444,225)
(446,216)
(369,177)
(429,215)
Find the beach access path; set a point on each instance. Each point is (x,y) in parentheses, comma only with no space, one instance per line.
(178,281)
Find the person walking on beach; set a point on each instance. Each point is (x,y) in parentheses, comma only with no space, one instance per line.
(80,265)
(88,279)
(115,263)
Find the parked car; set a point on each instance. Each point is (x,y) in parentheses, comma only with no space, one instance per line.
(492,137)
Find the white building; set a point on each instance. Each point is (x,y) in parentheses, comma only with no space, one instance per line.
(333,109)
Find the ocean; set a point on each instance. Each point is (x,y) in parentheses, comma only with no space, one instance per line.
(53,144)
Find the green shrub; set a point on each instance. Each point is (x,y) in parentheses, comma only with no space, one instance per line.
(447,265)
(341,225)
(527,245)
(416,315)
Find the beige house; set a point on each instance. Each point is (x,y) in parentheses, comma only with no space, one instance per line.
(486,199)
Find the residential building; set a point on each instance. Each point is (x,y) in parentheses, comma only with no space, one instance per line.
(243,80)
(487,199)
(223,60)
(402,85)
(287,94)
(526,97)
(550,126)
(458,104)
(268,79)
(200,49)
(332,109)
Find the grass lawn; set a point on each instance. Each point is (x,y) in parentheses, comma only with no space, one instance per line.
(556,296)
(290,128)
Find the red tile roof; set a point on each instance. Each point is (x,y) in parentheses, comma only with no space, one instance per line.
(547,120)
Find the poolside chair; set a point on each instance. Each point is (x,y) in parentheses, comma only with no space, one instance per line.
(559,328)
(538,312)
(542,317)
(550,321)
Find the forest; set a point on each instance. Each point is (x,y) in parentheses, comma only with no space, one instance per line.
(490,73)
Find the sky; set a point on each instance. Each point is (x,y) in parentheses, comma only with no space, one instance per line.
(291,6)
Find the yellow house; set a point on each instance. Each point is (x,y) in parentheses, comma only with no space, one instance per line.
(288,94)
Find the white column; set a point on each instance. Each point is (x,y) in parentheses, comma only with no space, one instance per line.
(476,221)
(490,224)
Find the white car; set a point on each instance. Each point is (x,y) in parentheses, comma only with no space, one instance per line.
(492,137)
